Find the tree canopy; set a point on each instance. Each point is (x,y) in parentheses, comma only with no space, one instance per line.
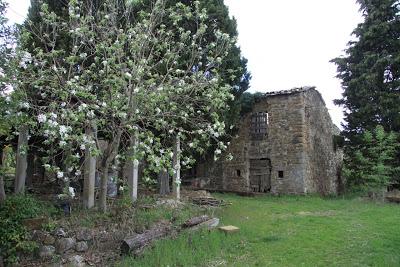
(370,74)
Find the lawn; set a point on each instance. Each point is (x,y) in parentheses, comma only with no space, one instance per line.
(288,231)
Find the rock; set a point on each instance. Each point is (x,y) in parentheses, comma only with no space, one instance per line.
(81,246)
(84,235)
(59,232)
(64,244)
(43,237)
(38,236)
(46,252)
(49,240)
(76,261)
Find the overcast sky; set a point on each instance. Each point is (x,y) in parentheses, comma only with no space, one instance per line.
(288,43)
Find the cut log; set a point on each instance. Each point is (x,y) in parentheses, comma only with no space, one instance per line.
(195,221)
(138,242)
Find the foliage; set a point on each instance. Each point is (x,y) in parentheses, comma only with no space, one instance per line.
(370,71)
(370,74)
(126,74)
(13,235)
(338,232)
(372,164)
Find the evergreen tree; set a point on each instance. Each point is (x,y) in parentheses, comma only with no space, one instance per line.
(370,74)
(372,164)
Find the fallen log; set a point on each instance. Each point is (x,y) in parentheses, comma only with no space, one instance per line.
(137,242)
(195,221)
(209,224)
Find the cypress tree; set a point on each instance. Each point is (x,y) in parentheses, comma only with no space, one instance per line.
(370,74)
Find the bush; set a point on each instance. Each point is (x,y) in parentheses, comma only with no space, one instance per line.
(13,235)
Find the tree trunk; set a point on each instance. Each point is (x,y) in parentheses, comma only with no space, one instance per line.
(138,242)
(3,165)
(90,173)
(20,170)
(133,173)
(163,177)
(103,186)
(30,170)
(177,168)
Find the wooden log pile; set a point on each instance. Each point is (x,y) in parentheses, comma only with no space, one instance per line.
(208,201)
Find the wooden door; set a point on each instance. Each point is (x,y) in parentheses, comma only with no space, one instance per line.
(260,175)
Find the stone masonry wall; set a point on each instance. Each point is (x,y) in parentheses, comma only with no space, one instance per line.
(323,160)
(298,143)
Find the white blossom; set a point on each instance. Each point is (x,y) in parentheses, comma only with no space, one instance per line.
(71,191)
(60,174)
(24,105)
(41,118)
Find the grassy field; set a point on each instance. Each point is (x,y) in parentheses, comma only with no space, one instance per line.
(288,231)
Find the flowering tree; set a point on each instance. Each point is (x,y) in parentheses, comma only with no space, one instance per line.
(122,79)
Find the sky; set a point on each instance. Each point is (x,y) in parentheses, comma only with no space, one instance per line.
(287,43)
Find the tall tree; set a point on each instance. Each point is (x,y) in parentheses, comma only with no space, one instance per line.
(129,78)
(370,74)
(370,71)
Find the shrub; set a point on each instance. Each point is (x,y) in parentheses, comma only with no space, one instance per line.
(13,235)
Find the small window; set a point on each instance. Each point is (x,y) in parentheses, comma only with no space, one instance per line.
(280,174)
(259,125)
(238,173)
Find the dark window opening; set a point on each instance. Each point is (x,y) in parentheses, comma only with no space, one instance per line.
(238,173)
(259,125)
(280,174)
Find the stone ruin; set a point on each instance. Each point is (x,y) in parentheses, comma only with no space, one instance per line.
(284,146)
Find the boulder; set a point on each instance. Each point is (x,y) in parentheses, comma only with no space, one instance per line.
(59,232)
(49,240)
(81,246)
(64,244)
(76,261)
(39,236)
(46,252)
(84,234)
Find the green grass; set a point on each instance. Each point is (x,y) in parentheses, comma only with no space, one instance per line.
(288,231)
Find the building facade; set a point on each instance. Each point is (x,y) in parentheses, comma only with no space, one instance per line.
(284,146)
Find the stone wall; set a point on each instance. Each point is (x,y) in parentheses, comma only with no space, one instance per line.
(323,160)
(298,145)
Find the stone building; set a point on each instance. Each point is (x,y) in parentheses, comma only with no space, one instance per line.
(285,145)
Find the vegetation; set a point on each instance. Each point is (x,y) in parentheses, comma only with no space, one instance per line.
(288,231)
(13,234)
(373,164)
(370,74)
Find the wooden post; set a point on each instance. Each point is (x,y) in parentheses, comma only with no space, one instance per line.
(163,178)
(133,172)
(22,163)
(177,168)
(90,172)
